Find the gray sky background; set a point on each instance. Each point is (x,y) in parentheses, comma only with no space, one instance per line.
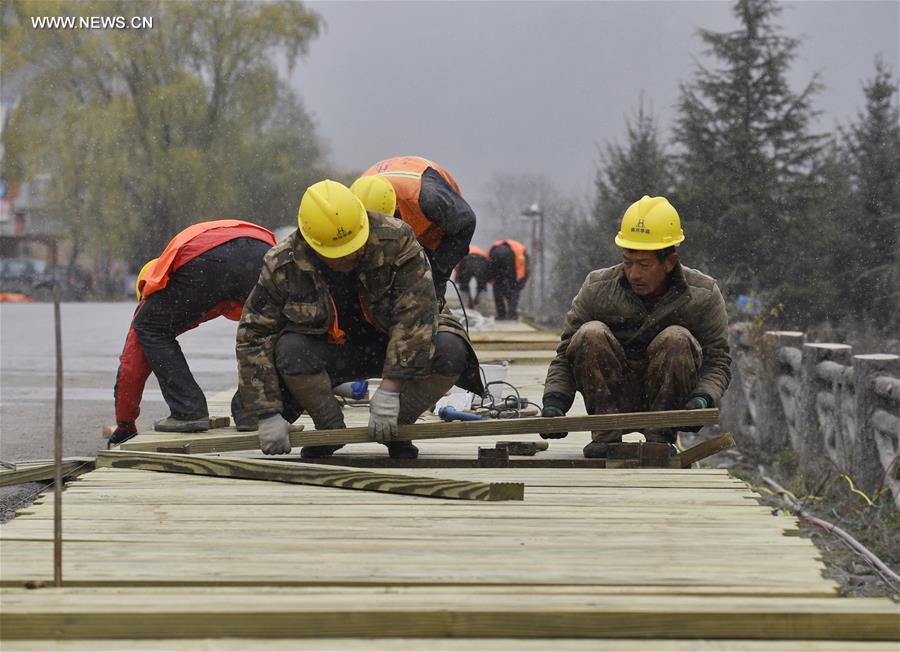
(534,87)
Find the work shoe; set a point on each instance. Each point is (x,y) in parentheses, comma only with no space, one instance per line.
(402,450)
(171,424)
(596,449)
(316,452)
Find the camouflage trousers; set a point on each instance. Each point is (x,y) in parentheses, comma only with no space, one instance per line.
(609,382)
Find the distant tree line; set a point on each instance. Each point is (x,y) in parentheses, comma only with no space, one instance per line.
(808,223)
(144,132)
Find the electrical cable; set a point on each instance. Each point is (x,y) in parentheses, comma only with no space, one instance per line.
(855,545)
(461,305)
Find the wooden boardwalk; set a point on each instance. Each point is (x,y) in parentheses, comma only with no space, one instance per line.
(651,559)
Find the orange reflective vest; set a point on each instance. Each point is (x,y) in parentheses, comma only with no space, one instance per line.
(405,174)
(519,250)
(336,334)
(157,277)
(477,251)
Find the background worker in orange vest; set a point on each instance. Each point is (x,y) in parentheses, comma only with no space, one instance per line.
(425,196)
(206,271)
(474,265)
(509,271)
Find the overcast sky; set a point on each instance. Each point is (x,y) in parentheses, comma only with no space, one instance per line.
(534,87)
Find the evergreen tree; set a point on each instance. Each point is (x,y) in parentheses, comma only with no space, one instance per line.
(747,154)
(626,173)
(872,228)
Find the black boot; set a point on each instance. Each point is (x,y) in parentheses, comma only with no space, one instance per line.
(402,450)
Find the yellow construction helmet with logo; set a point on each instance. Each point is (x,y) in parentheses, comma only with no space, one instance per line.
(139,282)
(332,220)
(649,224)
(376,193)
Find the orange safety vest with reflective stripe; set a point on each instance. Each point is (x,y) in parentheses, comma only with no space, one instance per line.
(405,175)
(519,250)
(157,277)
(477,251)
(336,334)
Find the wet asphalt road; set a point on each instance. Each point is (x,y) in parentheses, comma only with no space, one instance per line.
(93,336)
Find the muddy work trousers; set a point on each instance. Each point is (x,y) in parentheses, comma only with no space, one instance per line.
(308,355)
(610,383)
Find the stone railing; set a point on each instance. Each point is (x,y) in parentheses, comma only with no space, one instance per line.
(832,408)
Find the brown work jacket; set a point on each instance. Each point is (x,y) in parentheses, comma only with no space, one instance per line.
(693,301)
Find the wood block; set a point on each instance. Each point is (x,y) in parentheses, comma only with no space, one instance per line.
(493,457)
(528,448)
(624,451)
(219,422)
(655,455)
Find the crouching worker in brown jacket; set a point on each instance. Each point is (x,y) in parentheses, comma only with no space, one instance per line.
(349,295)
(647,334)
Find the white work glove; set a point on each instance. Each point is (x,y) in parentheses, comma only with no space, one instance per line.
(383,410)
(274,435)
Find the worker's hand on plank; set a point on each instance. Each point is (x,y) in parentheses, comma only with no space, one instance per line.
(697,402)
(383,411)
(274,435)
(553,411)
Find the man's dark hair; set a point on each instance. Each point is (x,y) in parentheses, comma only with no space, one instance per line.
(662,254)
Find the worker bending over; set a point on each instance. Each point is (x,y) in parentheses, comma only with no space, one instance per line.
(474,266)
(509,272)
(646,334)
(425,196)
(348,295)
(206,271)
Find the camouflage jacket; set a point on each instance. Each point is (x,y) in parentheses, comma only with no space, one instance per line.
(693,301)
(396,291)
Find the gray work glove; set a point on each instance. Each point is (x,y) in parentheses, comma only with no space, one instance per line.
(383,410)
(274,435)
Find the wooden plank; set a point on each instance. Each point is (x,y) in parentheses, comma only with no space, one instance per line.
(438,645)
(442,430)
(312,475)
(705,449)
(493,337)
(85,613)
(41,472)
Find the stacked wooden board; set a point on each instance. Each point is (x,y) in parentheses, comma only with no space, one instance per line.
(651,559)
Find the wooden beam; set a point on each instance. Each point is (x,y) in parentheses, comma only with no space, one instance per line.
(196,614)
(214,424)
(442,430)
(294,473)
(385,462)
(705,449)
(41,472)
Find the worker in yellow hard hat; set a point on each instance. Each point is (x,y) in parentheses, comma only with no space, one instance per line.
(347,296)
(646,334)
(426,196)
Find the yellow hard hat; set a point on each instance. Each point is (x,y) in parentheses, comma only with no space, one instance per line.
(649,224)
(376,193)
(332,219)
(139,282)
